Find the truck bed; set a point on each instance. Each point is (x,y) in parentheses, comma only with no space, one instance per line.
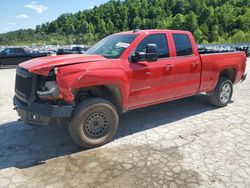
(212,62)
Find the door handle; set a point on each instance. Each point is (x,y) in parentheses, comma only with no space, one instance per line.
(169,67)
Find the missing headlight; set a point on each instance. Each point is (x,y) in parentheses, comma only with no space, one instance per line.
(51,91)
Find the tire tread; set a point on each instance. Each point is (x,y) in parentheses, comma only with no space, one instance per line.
(214,95)
(76,119)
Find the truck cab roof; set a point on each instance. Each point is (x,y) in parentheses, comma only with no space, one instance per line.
(151,31)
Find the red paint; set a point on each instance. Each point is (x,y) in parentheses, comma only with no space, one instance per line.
(43,66)
(141,84)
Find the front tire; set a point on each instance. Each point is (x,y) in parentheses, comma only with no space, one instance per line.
(222,93)
(94,123)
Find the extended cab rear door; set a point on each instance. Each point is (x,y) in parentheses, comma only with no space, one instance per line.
(187,64)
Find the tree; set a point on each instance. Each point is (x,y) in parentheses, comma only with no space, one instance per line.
(136,22)
(198,35)
(179,7)
(214,35)
(240,36)
(209,20)
(53,27)
(178,22)
(102,28)
(191,21)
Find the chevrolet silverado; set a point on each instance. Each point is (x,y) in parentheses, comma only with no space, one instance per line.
(122,72)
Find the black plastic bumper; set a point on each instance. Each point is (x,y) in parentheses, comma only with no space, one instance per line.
(42,114)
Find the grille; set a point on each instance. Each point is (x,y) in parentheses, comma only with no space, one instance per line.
(25,84)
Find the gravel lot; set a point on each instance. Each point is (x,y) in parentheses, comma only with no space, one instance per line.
(185,143)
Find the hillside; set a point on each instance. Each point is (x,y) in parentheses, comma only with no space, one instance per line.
(211,21)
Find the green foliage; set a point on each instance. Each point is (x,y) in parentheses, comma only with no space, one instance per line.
(211,21)
(198,35)
(240,36)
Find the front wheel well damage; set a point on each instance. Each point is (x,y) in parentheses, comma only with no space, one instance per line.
(108,92)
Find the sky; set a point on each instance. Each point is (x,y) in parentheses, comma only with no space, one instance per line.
(23,14)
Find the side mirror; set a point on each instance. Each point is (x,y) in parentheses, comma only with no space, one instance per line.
(138,56)
(151,52)
(150,55)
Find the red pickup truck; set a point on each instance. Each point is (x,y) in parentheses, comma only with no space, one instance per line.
(122,72)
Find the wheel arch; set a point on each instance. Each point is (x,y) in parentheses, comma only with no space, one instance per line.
(111,93)
(229,73)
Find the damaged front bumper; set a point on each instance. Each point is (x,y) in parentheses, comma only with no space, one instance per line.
(42,114)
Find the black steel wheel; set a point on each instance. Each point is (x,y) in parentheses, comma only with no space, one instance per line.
(94,122)
(96,125)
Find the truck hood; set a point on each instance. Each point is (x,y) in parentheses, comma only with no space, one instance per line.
(44,65)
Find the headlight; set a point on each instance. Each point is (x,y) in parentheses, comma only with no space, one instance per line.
(51,93)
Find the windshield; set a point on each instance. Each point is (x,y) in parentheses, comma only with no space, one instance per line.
(112,46)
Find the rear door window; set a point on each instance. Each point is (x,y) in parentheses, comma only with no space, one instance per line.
(183,44)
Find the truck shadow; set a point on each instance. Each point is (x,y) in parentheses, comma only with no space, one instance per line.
(23,146)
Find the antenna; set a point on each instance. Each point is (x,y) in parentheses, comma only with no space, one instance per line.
(136,30)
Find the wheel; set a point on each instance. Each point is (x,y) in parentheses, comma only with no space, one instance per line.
(222,93)
(94,123)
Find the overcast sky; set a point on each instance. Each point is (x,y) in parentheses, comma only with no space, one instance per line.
(18,14)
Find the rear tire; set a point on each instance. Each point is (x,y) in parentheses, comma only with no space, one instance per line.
(222,93)
(94,123)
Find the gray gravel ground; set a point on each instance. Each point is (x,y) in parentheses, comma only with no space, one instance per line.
(185,143)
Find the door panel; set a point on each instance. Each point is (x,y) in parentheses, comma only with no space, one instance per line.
(151,82)
(188,69)
(187,66)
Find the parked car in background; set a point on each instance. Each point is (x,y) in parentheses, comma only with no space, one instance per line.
(78,50)
(63,51)
(219,48)
(122,72)
(14,56)
(245,48)
(74,50)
